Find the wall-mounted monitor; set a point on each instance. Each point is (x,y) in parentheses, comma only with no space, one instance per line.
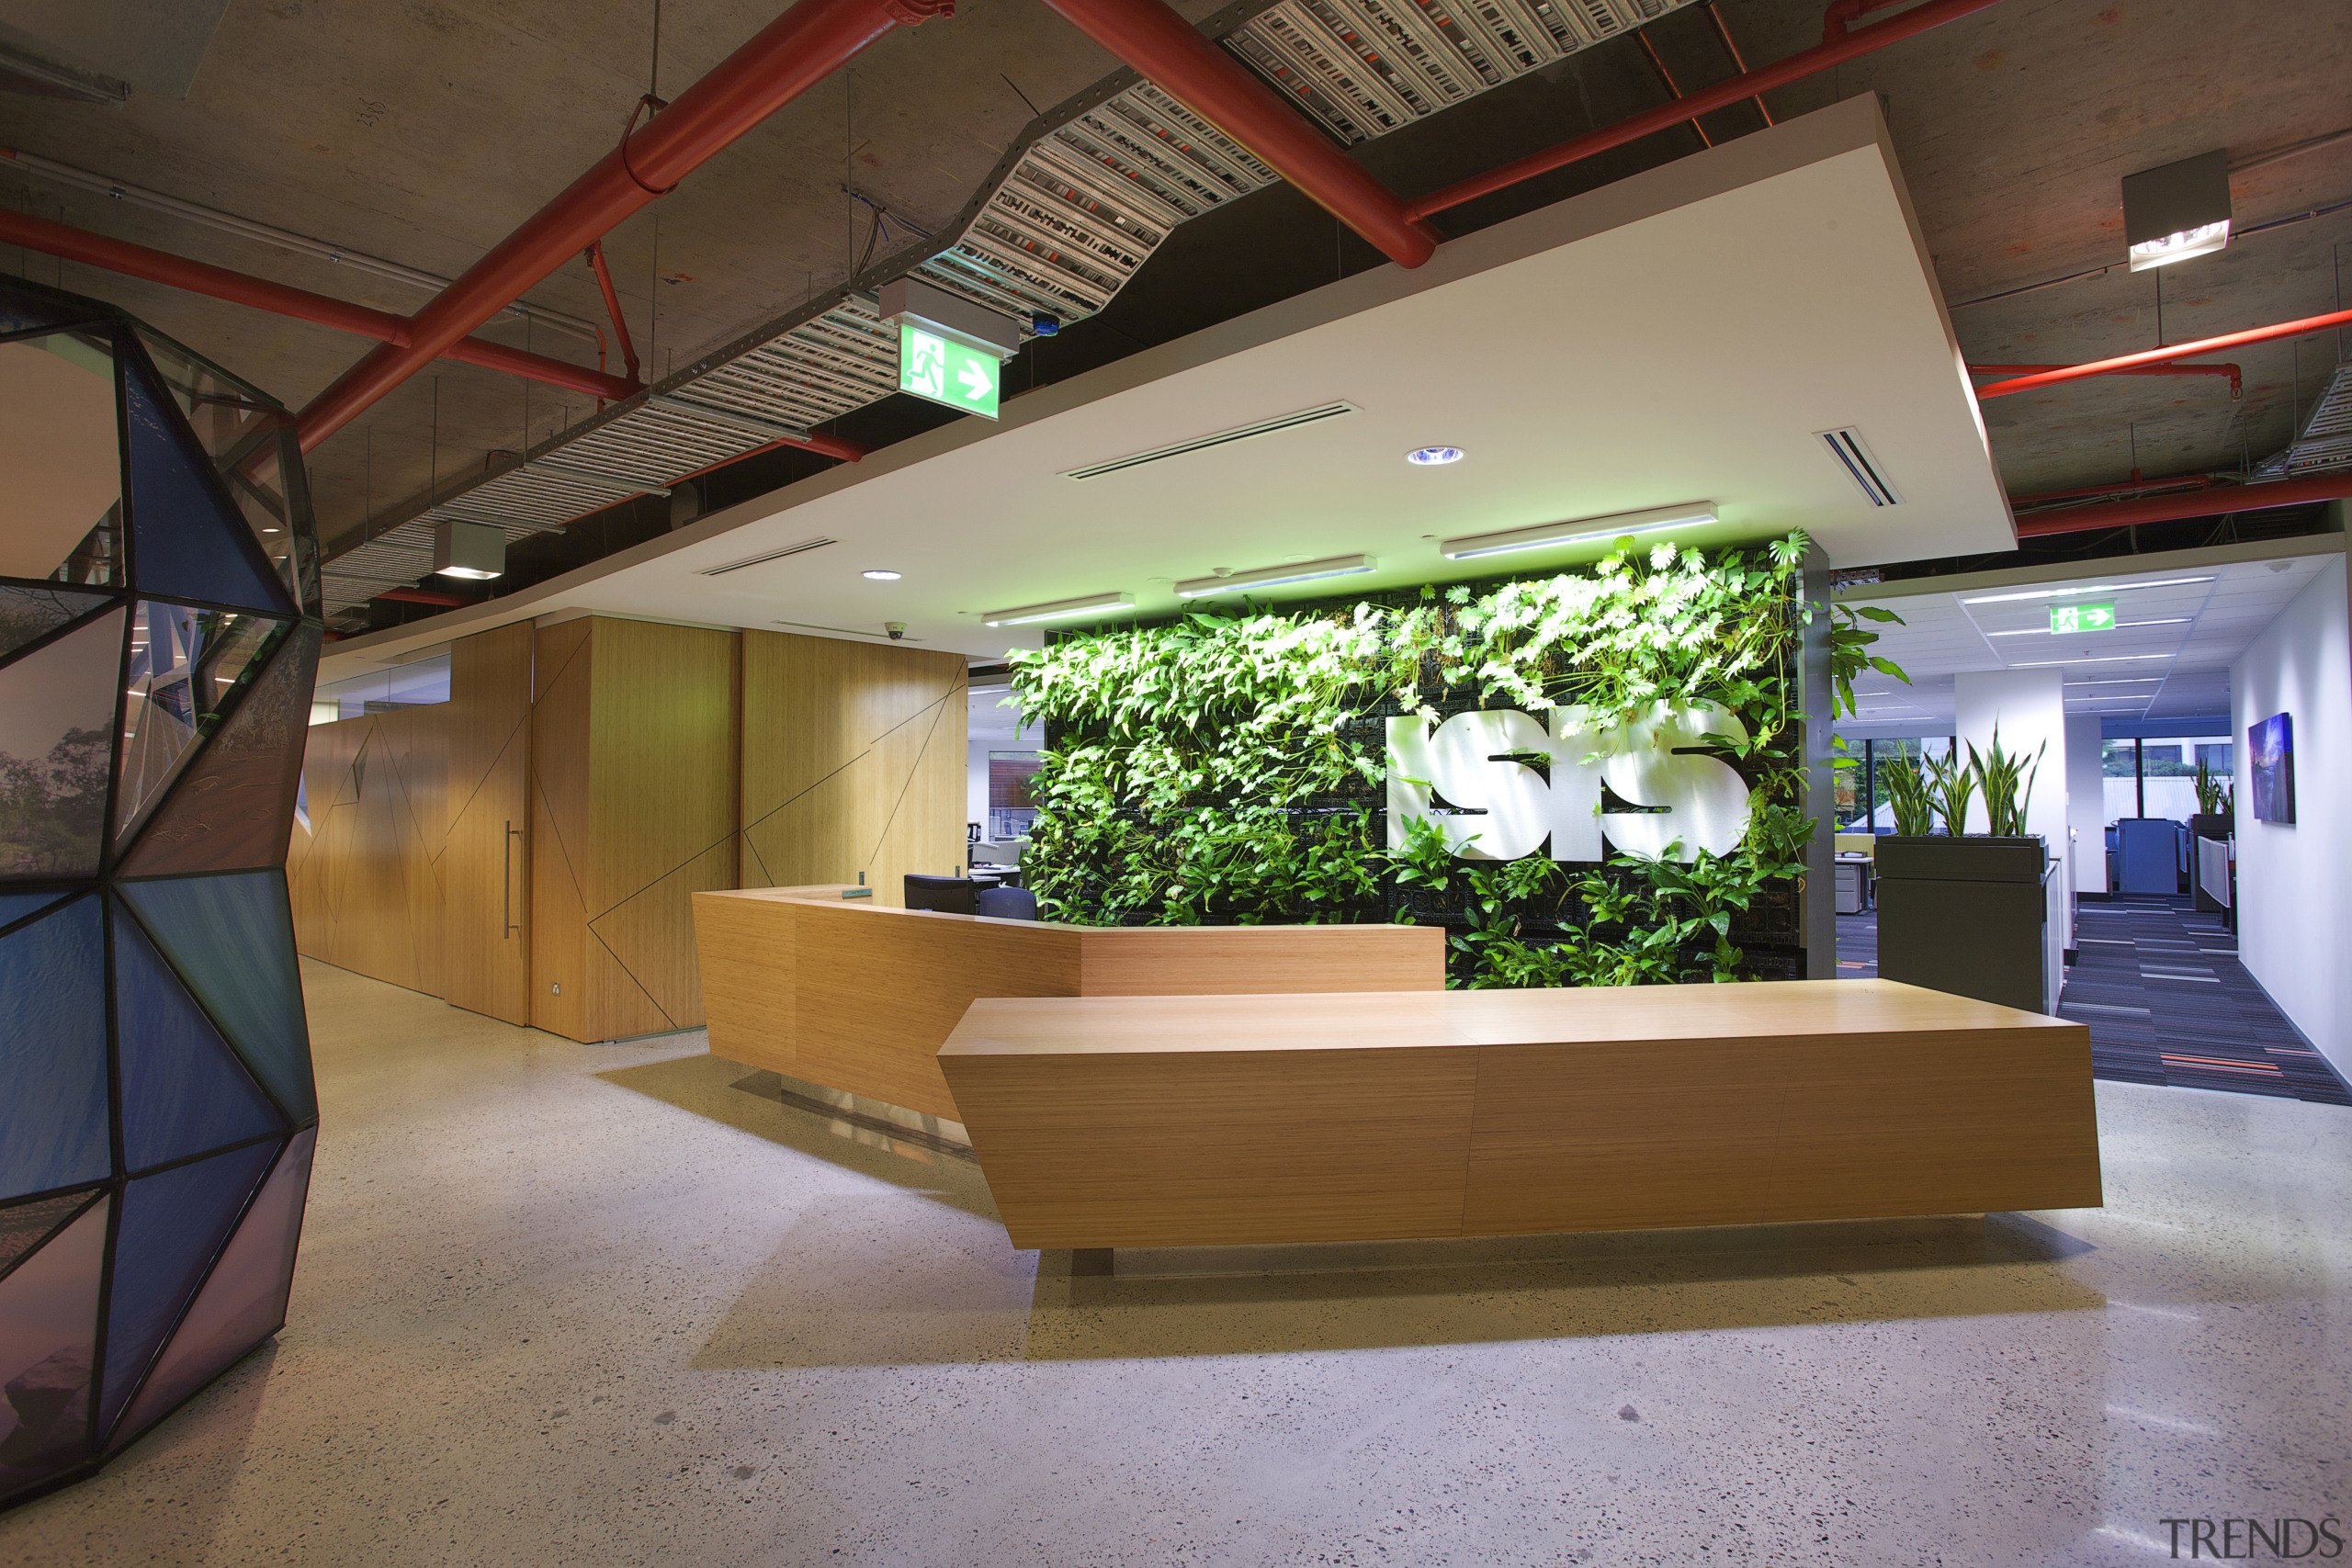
(2270,757)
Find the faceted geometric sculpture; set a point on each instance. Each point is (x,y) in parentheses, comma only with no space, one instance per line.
(158,634)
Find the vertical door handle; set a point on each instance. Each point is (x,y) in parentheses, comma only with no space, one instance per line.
(507,878)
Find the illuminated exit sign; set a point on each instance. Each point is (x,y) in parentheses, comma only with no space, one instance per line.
(2082,617)
(946,371)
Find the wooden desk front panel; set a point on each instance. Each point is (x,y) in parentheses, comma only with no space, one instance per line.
(1810,1101)
(860,998)
(1747,1131)
(881,989)
(1231,1146)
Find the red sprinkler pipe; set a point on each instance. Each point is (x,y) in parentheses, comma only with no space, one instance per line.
(2237,381)
(613,304)
(2166,356)
(1840,46)
(2336,486)
(786,59)
(242,288)
(1155,41)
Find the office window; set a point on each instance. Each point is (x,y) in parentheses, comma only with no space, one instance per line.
(1010,807)
(416,684)
(1861,806)
(2157,776)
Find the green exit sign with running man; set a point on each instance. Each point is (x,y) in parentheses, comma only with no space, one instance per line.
(2082,617)
(947,372)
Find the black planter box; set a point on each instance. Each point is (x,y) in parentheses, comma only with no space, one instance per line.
(1972,858)
(2213,825)
(1971,917)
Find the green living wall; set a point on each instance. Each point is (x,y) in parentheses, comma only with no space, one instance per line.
(1229,768)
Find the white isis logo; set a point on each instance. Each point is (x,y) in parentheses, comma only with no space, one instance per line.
(1466,761)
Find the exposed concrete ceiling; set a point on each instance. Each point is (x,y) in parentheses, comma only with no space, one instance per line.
(2181,618)
(1579,375)
(424,133)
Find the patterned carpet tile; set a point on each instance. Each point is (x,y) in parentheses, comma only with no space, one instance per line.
(2166,1001)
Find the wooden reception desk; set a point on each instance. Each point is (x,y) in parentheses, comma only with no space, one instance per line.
(856,997)
(1111,1121)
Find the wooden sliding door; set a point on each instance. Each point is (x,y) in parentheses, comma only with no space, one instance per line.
(486,917)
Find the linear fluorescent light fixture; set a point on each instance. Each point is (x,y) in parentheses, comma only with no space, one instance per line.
(2120,626)
(2178,211)
(1854,456)
(1269,577)
(1086,604)
(2094,588)
(763,558)
(2102,658)
(1579,530)
(1218,438)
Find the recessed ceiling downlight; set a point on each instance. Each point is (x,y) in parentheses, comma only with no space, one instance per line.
(880,576)
(1433,456)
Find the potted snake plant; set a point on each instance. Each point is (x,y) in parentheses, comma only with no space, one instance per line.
(1968,912)
(2216,805)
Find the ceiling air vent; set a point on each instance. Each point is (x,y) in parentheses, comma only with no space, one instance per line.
(767,555)
(1222,438)
(1845,445)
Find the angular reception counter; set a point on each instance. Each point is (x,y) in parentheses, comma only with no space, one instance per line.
(1227,1085)
(850,995)
(1105,1121)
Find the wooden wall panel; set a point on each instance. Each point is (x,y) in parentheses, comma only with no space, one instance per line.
(663,817)
(367,880)
(854,762)
(486,916)
(564,659)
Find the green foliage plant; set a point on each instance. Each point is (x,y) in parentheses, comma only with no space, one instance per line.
(1951,785)
(1907,791)
(1229,768)
(2007,779)
(2213,791)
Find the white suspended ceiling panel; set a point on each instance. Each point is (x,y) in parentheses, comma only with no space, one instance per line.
(1680,335)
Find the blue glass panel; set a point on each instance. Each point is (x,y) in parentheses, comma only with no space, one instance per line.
(54,1052)
(17,906)
(49,1315)
(188,541)
(231,939)
(183,1089)
(243,1301)
(26,305)
(29,612)
(172,1225)
(57,721)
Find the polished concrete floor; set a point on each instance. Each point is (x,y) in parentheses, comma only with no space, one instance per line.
(568,1305)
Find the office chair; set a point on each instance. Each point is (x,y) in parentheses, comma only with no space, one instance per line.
(1008,904)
